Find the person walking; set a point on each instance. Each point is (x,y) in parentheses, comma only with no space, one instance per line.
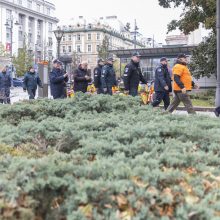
(108,76)
(217,111)
(81,78)
(162,84)
(58,79)
(133,75)
(31,81)
(97,76)
(182,85)
(5,84)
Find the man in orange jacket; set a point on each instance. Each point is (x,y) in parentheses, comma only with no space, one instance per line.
(182,85)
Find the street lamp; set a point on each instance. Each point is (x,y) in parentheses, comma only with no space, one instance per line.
(58,34)
(217,98)
(9,24)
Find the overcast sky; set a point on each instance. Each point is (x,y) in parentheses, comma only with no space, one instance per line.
(151,18)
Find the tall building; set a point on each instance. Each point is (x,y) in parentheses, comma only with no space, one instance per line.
(30,19)
(85,38)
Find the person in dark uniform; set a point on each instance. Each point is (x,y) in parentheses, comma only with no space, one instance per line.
(108,77)
(30,82)
(217,111)
(81,78)
(162,84)
(133,75)
(5,84)
(97,76)
(58,79)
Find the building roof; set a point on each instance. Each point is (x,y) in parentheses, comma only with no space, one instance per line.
(168,51)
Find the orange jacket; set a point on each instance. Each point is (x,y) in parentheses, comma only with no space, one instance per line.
(185,77)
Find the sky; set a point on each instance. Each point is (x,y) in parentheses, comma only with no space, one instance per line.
(151,18)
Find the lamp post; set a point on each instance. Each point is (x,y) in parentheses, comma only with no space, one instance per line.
(9,24)
(59,35)
(217,98)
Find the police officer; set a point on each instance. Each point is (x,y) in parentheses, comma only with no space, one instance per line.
(97,76)
(5,84)
(30,82)
(133,75)
(217,111)
(162,84)
(58,79)
(108,77)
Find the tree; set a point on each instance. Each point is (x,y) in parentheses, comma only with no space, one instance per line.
(104,48)
(24,59)
(3,51)
(196,12)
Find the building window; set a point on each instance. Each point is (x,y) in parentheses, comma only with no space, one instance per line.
(8,14)
(29,4)
(97,48)
(8,34)
(64,38)
(89,36)
(38,7)
(64,49)
(20,35)
(50,27)
(30,37)
(78,48)
(69,49)
(98,37)
(48,11)
(50,41)
(39,25)
(20,2)
(78,37)
(89,48)
(70,37)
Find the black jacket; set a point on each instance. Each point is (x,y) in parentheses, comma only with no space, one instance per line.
(58,83)
(132,76)
(162,79)
(108,78)
(97,76)
(80,82)
(5,80)
(31,80)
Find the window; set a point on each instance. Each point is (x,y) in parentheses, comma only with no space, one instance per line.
(30,37)
(29,4)
(78,37)
(89,48)
(64,49)
(69,49)
(48,11)
(50,41)
(39,25)
(97,48)
(38,7)
(78,48)
(20,2)
(8,14)
(50,27)
(64,38)
(89,36)
(20,35)
(70,37)
(8,34)
(98,36)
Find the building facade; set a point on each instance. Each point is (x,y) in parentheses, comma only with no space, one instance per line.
(31,21)
(85,39)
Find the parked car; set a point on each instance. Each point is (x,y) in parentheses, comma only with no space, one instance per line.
(17,82)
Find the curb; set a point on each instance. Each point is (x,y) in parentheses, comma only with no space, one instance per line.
(196,108)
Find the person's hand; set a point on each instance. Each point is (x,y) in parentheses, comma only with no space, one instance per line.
(184,90)
(87,77)
(65,75)
(196,86)
(166,88)
(24,90)
(126,92)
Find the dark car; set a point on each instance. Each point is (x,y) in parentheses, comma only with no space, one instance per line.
(17,82)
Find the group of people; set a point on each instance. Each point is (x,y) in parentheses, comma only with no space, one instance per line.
(180,82)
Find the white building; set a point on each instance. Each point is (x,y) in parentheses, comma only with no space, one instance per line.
(33,19)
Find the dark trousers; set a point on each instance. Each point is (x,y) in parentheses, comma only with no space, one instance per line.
(100,90)
(159,96)
(31,93)
(185,99)
(217,111)
(5,96)
(133,91)
(109,90)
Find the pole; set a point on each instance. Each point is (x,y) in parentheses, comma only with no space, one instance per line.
(58,49)
(135,33)
(217,99)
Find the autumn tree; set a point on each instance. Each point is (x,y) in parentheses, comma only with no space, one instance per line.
(195,13)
